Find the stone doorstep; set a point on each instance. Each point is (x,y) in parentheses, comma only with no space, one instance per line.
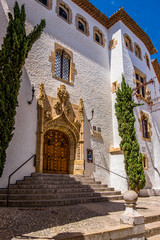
(121,232)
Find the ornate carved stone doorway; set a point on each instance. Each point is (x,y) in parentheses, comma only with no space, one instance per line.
(59,115)
(55,152)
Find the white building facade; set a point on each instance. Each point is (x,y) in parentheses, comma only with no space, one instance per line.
(76,67)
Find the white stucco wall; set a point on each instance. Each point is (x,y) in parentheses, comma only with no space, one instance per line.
(150,148)
(92,84)
(97,68)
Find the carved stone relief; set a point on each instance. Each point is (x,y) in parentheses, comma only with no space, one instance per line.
(59,114)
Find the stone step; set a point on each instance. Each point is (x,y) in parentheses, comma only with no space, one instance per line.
(60,190)
(57,177)
(156,237)
(152,229)
(59,202)
(56,182)
(56,195)
(152,218)
(50,186)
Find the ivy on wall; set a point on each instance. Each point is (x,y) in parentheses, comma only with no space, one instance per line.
(129,145)
(13,53)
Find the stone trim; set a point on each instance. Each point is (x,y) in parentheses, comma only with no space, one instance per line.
(145,161)
(59,114)
(49,4)
(146,117)
(112,44)
(137,51)
(147,61)
(73,71)
(115,86)
(115,151)
(97,31)
(66,8)
(128,42)
(83,20)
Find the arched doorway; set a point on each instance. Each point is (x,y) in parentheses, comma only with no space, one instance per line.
(55,152)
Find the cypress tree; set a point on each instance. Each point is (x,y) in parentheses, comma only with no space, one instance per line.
(13,53)
(129,145)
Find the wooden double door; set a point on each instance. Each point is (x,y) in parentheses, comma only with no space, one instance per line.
(55,152)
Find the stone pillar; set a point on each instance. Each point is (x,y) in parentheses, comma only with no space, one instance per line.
(131,216)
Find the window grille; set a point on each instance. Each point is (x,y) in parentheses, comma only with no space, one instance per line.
(62,66)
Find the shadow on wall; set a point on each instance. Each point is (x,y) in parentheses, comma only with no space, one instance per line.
(89,168)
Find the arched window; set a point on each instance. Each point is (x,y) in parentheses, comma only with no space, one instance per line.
(64,11)
(46,3)
(62,66)
(137,51)
(147,60)
(98,36)
(82,24)
(128,42)
(43,2)
(145,126)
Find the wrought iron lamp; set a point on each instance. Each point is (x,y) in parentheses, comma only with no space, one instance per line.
(92,115)
(33,91)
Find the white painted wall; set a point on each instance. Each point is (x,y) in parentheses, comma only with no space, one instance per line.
(151,148)
(92,84)
(97,68)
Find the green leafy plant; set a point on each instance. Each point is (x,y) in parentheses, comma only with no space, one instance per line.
(13,53)
(129,145)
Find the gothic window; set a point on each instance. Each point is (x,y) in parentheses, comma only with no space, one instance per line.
(147,60)
(145,126)
(62,66)
(128,42)
(43,2)
(46,3)
(64,11)
(140,80)
(138,51)
(82,24)
(98,36)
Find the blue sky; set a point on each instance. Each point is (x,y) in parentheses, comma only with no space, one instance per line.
(145,12)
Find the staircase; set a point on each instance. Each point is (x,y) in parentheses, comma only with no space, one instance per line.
(43,190)
(152,227)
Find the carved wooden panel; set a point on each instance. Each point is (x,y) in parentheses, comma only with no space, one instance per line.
(56,152)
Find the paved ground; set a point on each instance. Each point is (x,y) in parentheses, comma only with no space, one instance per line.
(55,222)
